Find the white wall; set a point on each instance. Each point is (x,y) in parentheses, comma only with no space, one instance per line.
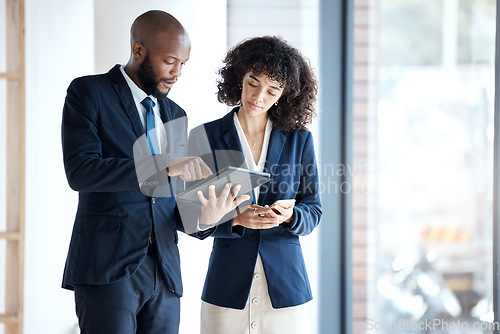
(205,22)
(59,47)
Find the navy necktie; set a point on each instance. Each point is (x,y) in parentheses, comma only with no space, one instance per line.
(150,125)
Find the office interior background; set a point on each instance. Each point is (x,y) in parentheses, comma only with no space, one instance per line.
(405,140)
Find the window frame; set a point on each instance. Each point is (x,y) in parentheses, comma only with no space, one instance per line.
(336,61)
(496,177)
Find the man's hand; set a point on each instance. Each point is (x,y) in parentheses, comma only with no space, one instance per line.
(188,168)
(213,208)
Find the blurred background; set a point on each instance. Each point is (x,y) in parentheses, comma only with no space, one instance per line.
(418,78)
(424,81)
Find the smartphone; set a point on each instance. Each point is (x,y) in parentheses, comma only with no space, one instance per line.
(286,203)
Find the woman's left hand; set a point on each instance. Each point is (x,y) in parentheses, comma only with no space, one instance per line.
(283,214)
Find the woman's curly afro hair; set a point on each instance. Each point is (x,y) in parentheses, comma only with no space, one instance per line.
(272,56)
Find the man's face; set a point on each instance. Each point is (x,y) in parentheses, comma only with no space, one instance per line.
(163,63)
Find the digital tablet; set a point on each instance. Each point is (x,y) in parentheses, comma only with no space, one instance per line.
(247,178)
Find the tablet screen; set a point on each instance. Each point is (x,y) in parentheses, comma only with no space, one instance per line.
(247,178)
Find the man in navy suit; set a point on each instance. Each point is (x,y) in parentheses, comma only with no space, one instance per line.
(123,261)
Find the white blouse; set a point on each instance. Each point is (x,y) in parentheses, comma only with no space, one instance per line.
(247,152)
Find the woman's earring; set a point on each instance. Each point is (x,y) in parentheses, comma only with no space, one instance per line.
(276,103)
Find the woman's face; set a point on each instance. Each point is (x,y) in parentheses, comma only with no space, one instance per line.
(259,93)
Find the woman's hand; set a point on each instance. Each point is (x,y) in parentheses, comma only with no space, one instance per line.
(214,208)
(250,219)
(274,211)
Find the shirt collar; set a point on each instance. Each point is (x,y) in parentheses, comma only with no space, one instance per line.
(137,93)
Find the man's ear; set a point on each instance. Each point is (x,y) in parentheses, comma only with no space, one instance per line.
(138,50)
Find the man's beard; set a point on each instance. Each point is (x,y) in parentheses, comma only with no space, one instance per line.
(147,77)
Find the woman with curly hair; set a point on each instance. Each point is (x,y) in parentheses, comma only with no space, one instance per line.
(257,280)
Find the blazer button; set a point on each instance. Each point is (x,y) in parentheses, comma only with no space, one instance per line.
(153,200)
(256,234)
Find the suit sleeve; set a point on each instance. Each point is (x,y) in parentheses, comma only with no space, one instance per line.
(86,168)
(188,212)
(307,210)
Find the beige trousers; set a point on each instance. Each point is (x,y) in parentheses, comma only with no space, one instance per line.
(258,316)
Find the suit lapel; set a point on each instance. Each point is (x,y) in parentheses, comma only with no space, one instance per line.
(123,91)
(170,133)
(276,142)
(165,113)
(231,143)
(229,133)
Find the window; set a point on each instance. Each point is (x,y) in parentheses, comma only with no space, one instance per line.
(423,107)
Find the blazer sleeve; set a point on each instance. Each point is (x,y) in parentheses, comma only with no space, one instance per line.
(307,210)
(86,168)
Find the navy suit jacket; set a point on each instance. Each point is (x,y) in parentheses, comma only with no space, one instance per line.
(115,218)
(292,165)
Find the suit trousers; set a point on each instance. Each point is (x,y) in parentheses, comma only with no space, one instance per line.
(139,304)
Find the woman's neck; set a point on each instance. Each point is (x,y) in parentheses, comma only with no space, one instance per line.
(253,126)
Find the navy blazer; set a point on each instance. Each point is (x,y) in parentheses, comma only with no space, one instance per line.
(292,164)
(114,219)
